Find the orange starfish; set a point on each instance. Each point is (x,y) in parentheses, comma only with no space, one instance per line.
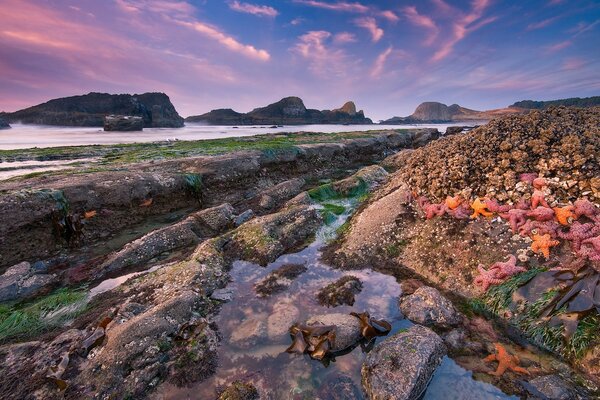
(542,244)
(146,203)
(565,215)
(505,361)
(480,208)
(89,214)
(453,202)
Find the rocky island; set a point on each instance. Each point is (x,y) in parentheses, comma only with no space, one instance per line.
(155,109)
(244,266)
(287,111)
(434,112)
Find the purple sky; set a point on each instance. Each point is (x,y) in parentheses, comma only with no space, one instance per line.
(387,56)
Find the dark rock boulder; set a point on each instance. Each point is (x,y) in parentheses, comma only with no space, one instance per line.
(401,367)
(4,124)
(275,196)
(156,110)
(550,387)
(22,281)
(426,306)
(123,123)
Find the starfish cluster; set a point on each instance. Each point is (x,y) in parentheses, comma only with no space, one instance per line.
(532,218)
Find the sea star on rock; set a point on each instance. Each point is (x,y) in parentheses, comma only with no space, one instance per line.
(434,210)
(542,228)
(593,253)
(579,232)
(480,208)
(461,212)
(523,204)
(539,183)
(505,361)
(528,177)
(507,268)
(487,278)
(565,215)
(542,244)
(516,218)
(422,201)
(494,207)
(538,198)
(541,214)
(587,208)
(453,202)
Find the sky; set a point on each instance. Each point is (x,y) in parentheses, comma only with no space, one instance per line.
(387,56)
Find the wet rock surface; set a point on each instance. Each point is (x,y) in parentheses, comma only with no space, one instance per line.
(275,196)
(550,387)
(340,292)
(347,329)
(427,306)
(239,390)
(401,366)
(22,281)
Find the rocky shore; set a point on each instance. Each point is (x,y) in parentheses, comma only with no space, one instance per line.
(197,275)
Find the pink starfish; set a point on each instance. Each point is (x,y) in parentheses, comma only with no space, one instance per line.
(587,208)
(541,214)
(516,218)
(494,207)
(507,268)
(578,233)
(538,198)
(486,278)
(539,183)
(542,228)
(422,201)
(593,253)
(523,204)
(461,212)
(528,177)
(435,210)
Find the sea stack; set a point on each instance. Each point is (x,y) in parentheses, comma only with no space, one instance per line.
(123,123)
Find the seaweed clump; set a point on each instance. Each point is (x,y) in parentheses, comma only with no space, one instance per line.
(340,292)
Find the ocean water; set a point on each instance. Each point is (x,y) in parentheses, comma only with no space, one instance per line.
(27,136)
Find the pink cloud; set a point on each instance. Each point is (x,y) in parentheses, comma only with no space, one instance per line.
(337,6)
(261,11)
(424,21)
(558,46)
(463,26)
(344,37)
(379,65)
(324,60)
(390,16)
(542,24)
(228,41)
(370,25)
(573,64)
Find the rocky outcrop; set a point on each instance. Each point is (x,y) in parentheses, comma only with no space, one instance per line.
(287,111)
(22,281)
(570,102)
(426,306)
(4,124)
(156,110)
(401,366)
(123,123)
(434,112)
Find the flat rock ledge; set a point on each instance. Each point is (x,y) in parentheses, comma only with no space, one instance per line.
(401,367)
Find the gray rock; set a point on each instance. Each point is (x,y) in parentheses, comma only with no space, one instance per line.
(40,267)
(347,328)
(338,387)
(424,136)
(301,199)
(426,306)
(225,294)
(401,367)
(276,195)
(550,387)
(244,217)
(123,123)
(21,281)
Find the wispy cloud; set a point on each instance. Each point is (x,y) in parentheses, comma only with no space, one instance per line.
(297,21)
(389,15)
(254,9)
(324,60)
(583,27)
(379,64)
(344,37)
(370,24)
(227,41)
(541,24)
(573,64)
(424,21)
(558,46)
(464,25)
(336,6)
